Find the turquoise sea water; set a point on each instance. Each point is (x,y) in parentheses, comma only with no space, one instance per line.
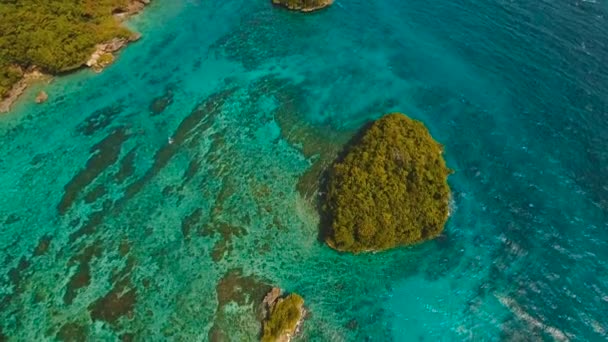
(160,198)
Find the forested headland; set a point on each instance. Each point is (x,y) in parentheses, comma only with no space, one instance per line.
(56,36)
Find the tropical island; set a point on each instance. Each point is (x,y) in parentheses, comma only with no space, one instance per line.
(303,5)
(282,316)
(54,37)
(389,189)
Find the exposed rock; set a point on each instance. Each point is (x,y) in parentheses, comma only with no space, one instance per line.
(134,7)
(270,299)
(103,55)
(42,97)
(303,5)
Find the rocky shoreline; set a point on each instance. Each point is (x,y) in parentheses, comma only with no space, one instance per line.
(29,77)
(103,56)
(104,53)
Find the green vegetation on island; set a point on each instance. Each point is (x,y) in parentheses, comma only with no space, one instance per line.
(283,317)
(55,36)
(389,190)
(303,5)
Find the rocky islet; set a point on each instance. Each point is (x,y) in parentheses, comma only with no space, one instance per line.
(303,5)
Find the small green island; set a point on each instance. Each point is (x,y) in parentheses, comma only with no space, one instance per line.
(54,37)
(390,188)
(283,316)
(303,5)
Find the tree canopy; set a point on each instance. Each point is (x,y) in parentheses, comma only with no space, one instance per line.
(283,318)
(303,5)
(390,189)
(57,35)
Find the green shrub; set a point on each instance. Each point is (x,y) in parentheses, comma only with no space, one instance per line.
(9,75)
(57,36)
(389,190)
(105,59)
(283,317)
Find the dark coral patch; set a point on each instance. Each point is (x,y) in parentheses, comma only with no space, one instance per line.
(218,251)
(124,248)
(241,289)
(12,218)
(125,272)
(96,193)
(119,302)
(244,290)
(127,167)
(72,332)
(15,274)
(82,277)
(15,277)
(217,226)
(192,170)
(159,104)
(192,127)
(43,245)
(191,221)
(127,337)
(94,220)
(319,142)
(216,334)
(99,119)
(224,245)
(201,117)
(104,154)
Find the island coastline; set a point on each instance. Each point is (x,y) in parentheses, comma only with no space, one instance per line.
(388,189)
(103,55)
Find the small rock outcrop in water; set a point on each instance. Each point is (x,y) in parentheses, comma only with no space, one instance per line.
(303,5)
(389,190)
(30,76)
(283,316)
(42,97)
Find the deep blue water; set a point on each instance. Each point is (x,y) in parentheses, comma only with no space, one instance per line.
(153,201)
